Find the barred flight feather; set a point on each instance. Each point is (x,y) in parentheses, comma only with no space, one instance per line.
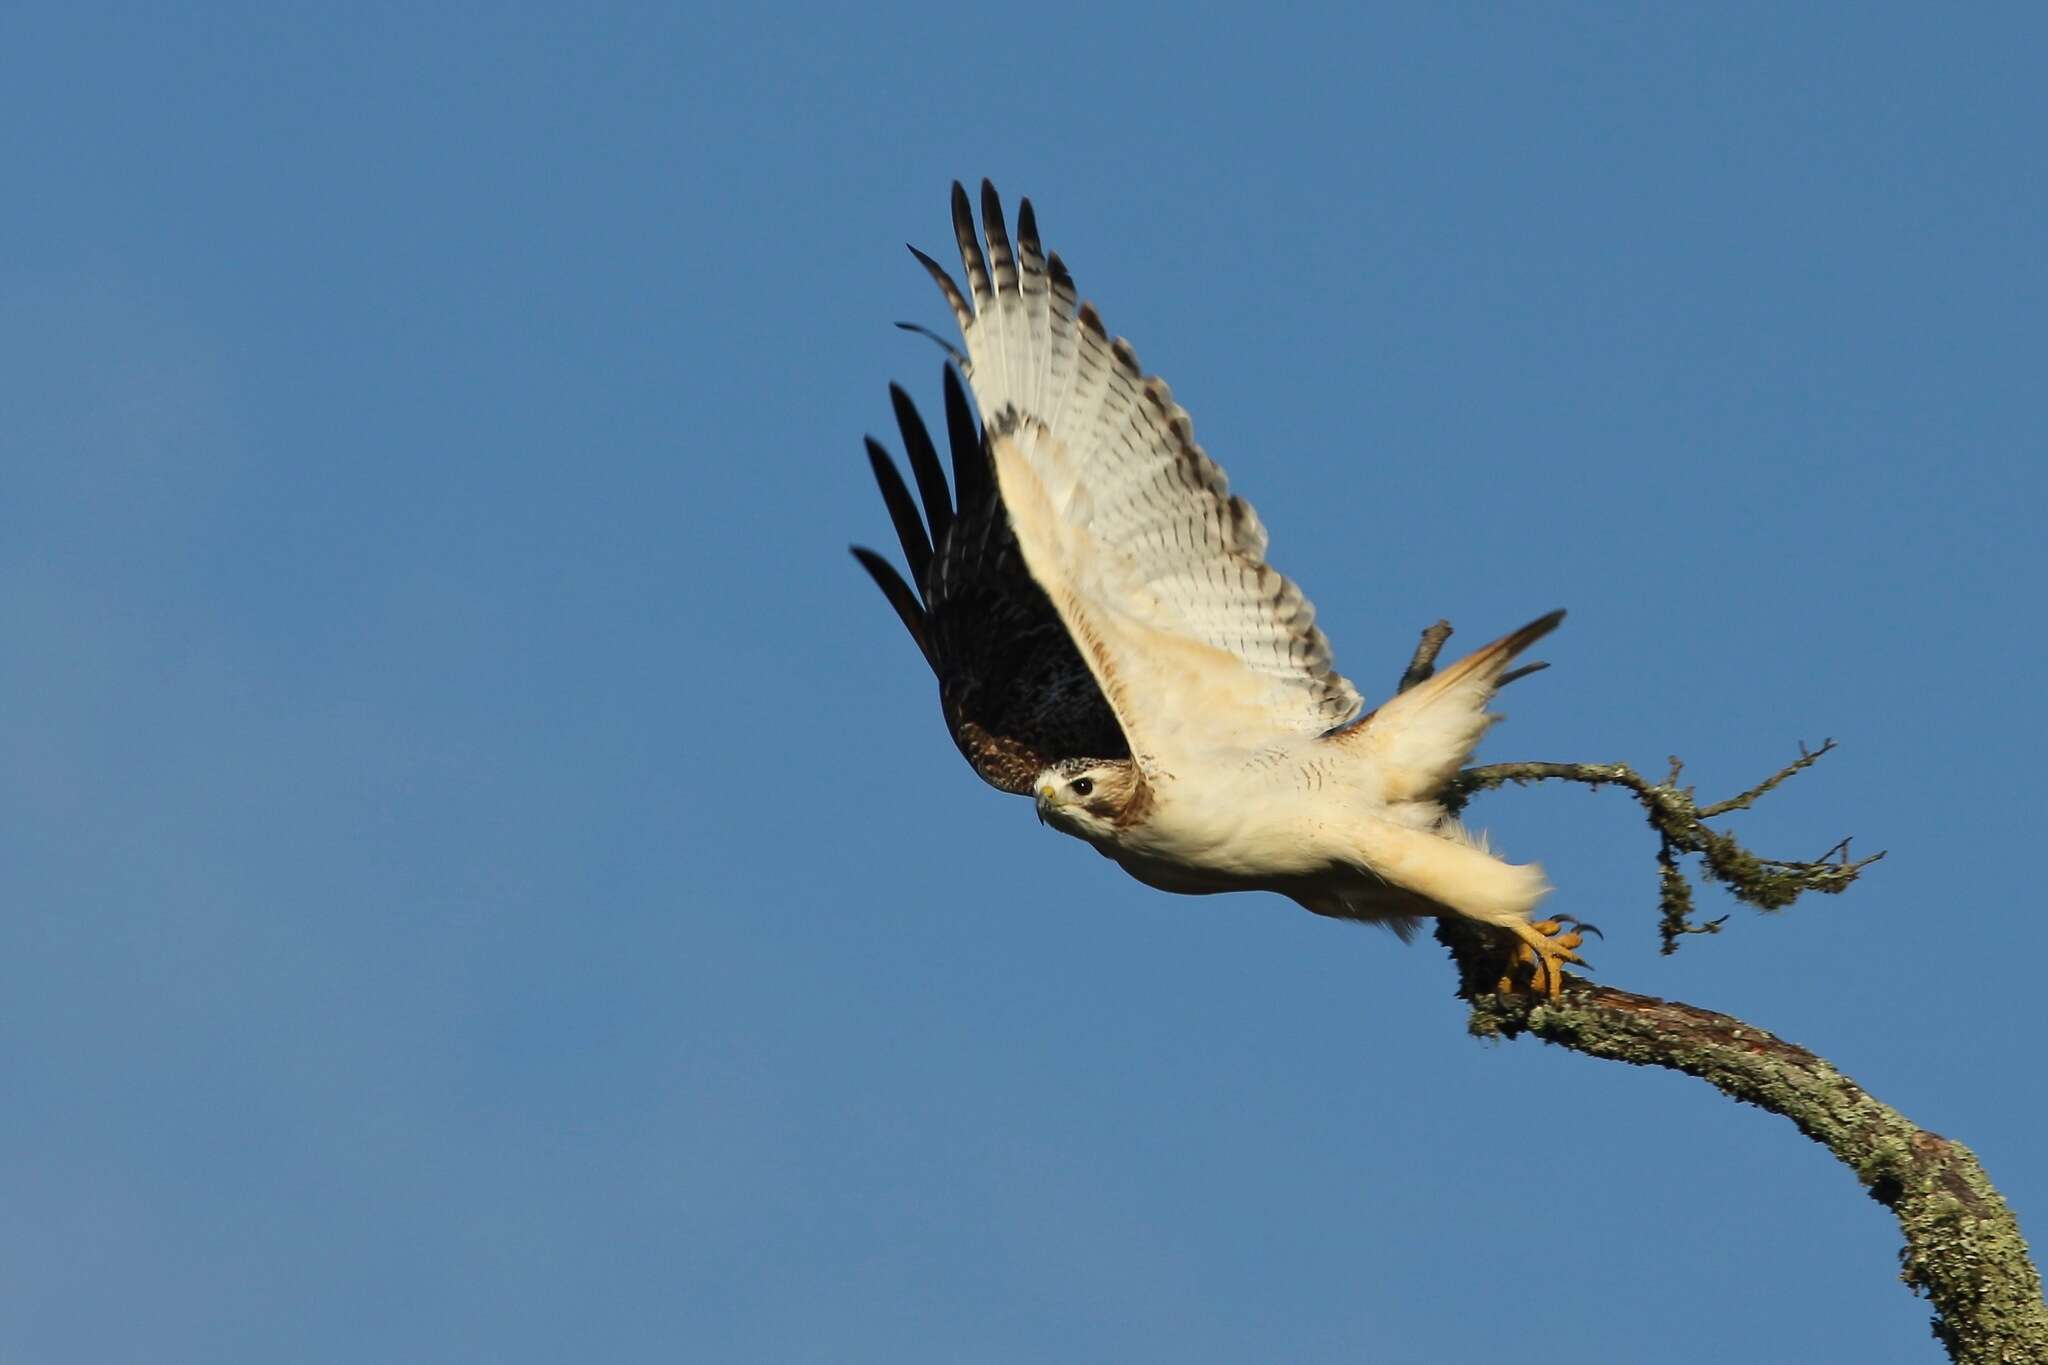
(1167,549)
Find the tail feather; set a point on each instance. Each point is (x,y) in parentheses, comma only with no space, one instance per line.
(1421,738)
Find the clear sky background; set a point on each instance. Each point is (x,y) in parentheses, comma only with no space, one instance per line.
(484,877)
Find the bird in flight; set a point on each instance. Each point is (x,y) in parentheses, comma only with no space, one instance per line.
(1109,640)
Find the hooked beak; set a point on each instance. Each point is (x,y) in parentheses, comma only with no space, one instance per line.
(1044,802)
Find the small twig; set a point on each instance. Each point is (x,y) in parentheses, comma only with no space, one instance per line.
(1767,883)
(1841,849)
(1807,758)
(1426,649)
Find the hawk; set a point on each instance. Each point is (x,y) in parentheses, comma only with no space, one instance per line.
(1109,640)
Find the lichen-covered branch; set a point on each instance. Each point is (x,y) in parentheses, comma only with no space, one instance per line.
(1963,1246)
(1675,813)
(1681,824)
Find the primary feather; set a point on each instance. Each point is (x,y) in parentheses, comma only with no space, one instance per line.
(1014,691)
(1128,524)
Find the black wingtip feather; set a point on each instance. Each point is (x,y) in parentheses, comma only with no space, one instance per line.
(971,259)
(908,609)
(973,481)
(910,533)
(924,464)
(954,298)
(1002,261)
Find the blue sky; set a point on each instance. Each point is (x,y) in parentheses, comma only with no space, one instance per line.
(484,877)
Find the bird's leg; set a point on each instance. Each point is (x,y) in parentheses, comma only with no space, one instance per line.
(1546,945)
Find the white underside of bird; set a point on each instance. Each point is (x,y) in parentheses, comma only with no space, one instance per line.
(1341,823)
(1352,857)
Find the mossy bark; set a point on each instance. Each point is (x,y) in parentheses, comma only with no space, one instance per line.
(1963,1245)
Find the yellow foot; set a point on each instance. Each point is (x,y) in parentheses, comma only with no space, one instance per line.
(1546,945)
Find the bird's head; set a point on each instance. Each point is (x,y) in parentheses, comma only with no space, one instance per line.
(1088,797)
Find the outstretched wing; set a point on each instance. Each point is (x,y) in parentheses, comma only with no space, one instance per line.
(1015,692)
(1129,527)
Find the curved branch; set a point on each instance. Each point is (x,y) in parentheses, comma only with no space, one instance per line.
(1963,1246)
(1680,821)
(1675,813)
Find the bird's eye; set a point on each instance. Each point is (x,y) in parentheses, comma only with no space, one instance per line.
(1084,786)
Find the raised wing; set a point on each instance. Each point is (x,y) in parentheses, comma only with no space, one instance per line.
(1128,526)
(1016,694)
